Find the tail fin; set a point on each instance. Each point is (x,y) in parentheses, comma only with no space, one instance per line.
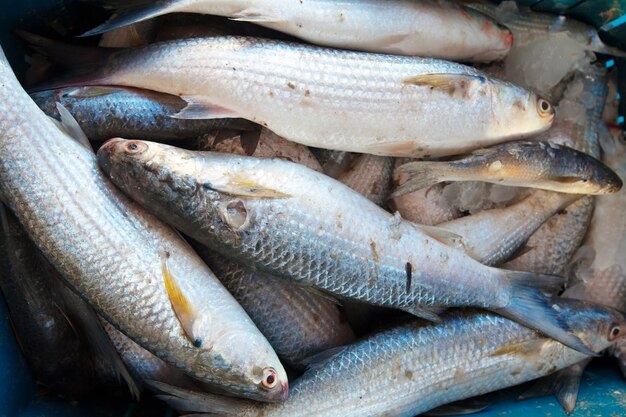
(203,402)
(81,65)
(422,174)
(564,384)
(137,11)
(531,307)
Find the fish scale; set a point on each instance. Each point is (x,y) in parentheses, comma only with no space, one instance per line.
(336,99)
(110,251)
(267,214)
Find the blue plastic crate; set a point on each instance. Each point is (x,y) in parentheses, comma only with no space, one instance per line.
(602,393)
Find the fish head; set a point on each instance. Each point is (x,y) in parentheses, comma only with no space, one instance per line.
(596,325)
(519,110)
(146,171)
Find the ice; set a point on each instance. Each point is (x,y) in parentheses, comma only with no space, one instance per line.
(542,64)
(569,110)
(580,267)
(505,10)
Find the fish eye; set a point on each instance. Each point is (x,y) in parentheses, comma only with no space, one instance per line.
(614,333)
(135,147)
(197,343)
(269,378)
(544,108)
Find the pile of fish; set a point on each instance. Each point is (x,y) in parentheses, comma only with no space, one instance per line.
(351,211)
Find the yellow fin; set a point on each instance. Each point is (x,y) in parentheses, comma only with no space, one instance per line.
(183,309)
(526,348)
(449,83)
(240,185)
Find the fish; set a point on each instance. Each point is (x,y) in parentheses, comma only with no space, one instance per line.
(440,29)
(607,288)
(260,143)
(297,322)
(334,163)
(38,315)
(370,176)
(542,165)
(143,365)
(105,112)
(552,246)
(412,368)
(295,223)
(528,25)
(342,100)
(492,236)
(136,272)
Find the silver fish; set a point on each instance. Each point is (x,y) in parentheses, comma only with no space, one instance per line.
(536,164)
(554,243)
(297,323)
(492,236)
(439,29)
(299,224)
(108,112)
(528,25)
(370,176)
(335,99)
(412,368)
(116,256)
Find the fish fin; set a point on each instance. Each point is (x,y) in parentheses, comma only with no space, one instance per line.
(314,361)
(202,402)
(250,140)
(459,408)
(431,313)
(136,11)
(240,185)
(578,291)
(71,127)
(448,83)
(529,306)
(422,174)
(441,235)
(183,309)
(199,108)
(525,348)
(249,15)
(86,323)
(81,65)
(564,384)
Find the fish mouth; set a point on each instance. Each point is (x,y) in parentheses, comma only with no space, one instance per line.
(104,155)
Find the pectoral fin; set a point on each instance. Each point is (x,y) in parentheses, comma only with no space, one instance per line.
(250,15)
(184,310)
(241,185)
(448,83)
(198,107)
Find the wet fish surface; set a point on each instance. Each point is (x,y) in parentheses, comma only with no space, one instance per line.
(542,165)
(297,323)
(116,256)
(334,99)
(107,112)
(440,29)
(266,214)
(412,368)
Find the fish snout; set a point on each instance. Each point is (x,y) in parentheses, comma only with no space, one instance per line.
(104,154)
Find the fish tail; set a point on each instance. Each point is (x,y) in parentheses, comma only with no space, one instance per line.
(132,12)
(530,306)
(203,402)
(422,174)
(81,65)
